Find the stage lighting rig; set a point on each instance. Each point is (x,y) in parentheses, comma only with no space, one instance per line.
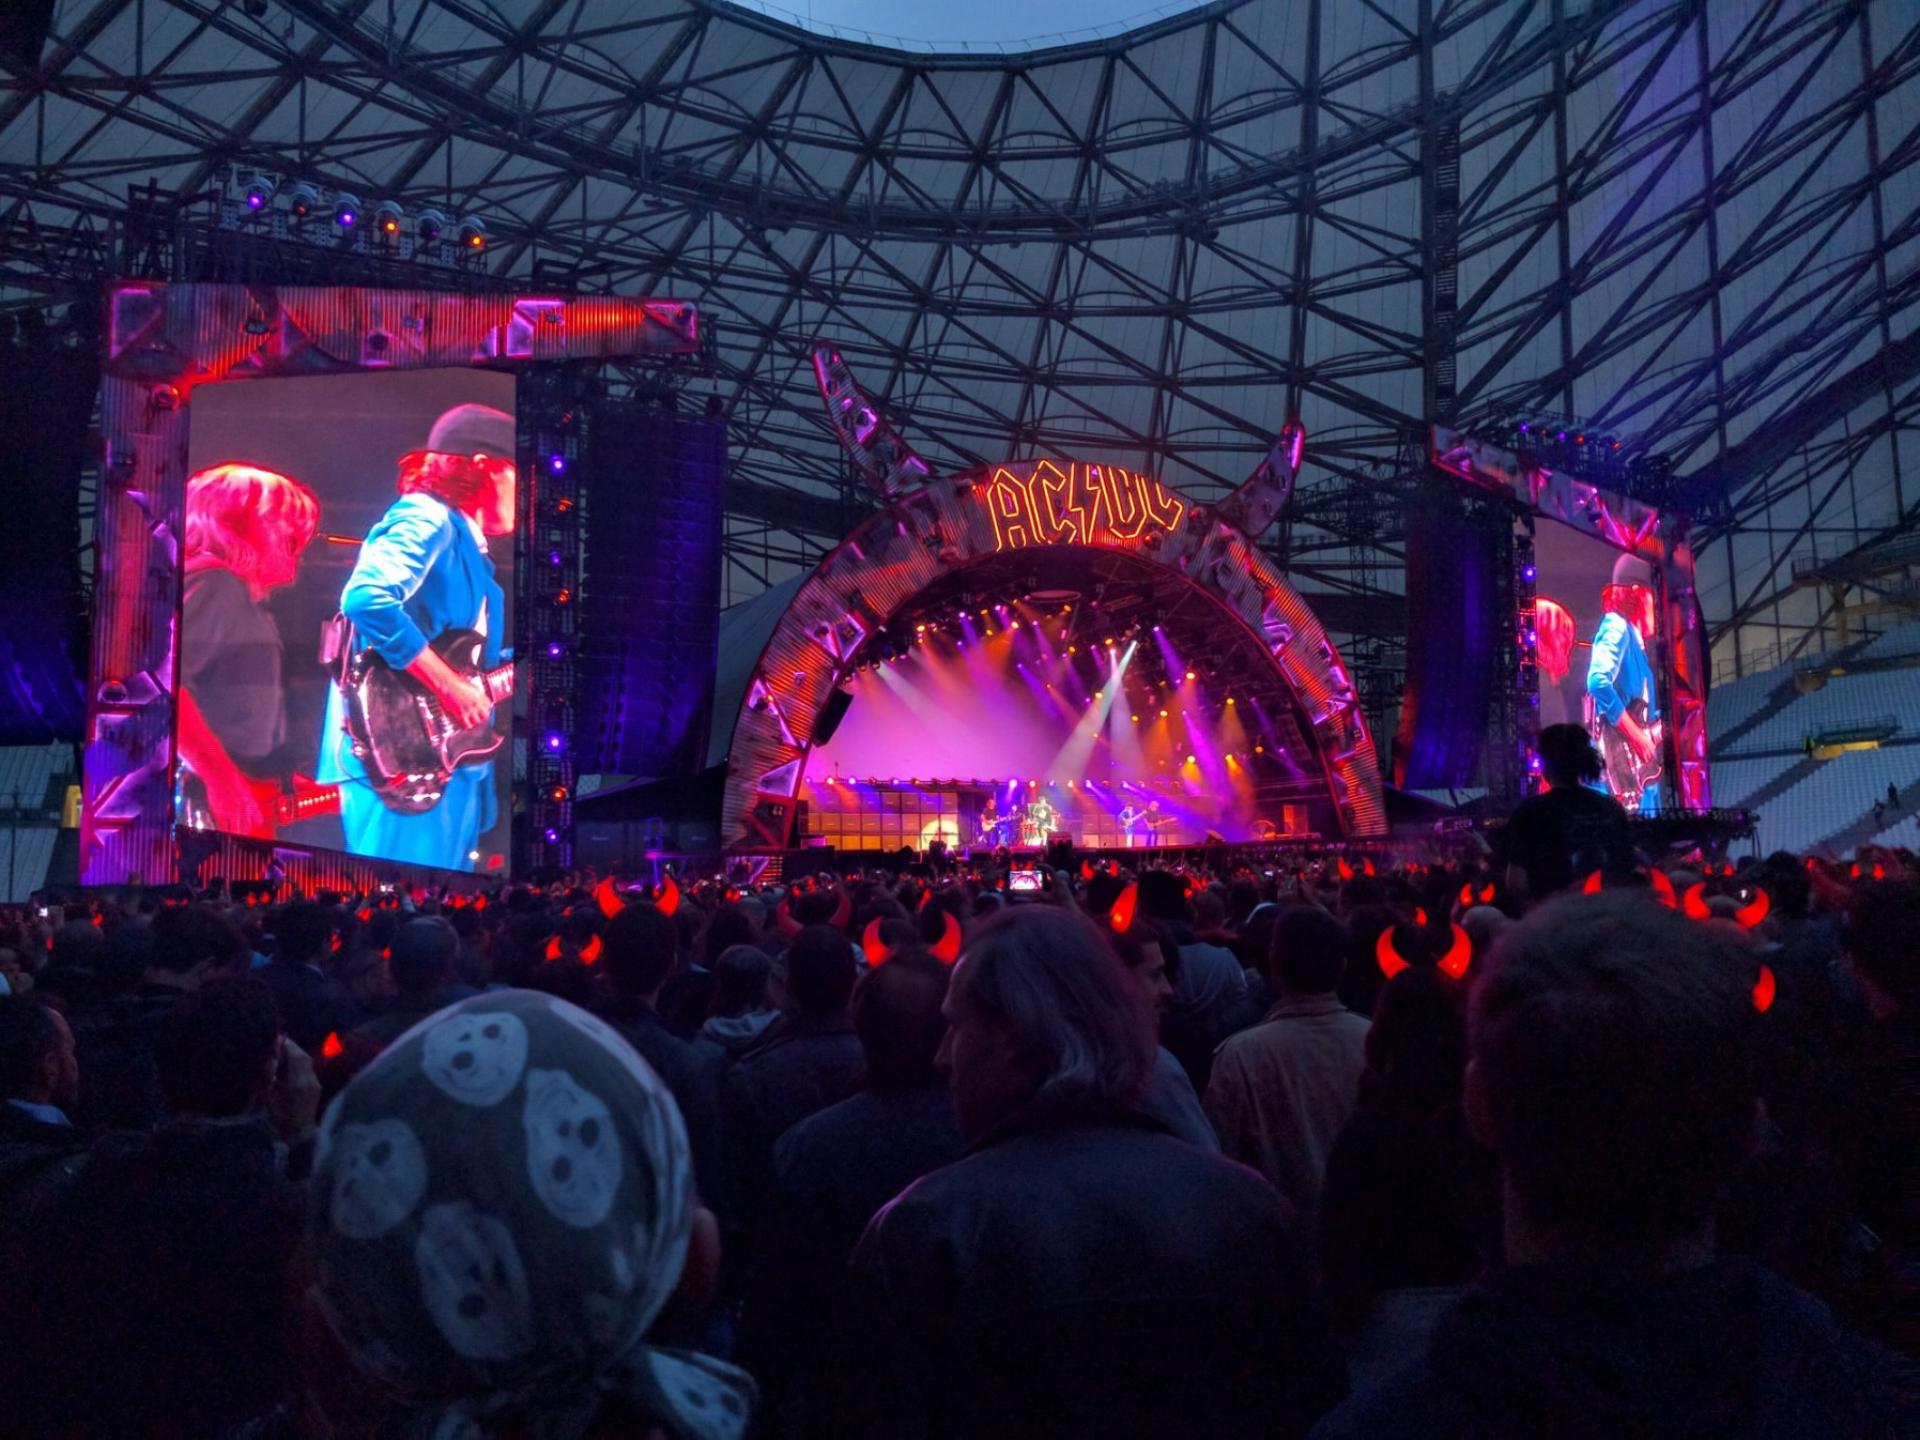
(388,218)
(346,209)
(431,225)
(259,193)
(473,234)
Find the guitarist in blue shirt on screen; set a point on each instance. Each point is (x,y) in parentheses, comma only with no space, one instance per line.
(1624,705)
(424,573)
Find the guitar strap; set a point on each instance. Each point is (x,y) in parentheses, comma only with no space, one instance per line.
(338,641)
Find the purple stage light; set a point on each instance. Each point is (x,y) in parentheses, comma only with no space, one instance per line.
(555,742)
(555,650)
(1532,572)
(554,557)
(557,464)
(255,200)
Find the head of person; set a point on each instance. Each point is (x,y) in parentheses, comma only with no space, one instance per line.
(1044,1020)
(1152,961)
(637,950)
(1567,756)
(1417,1044)
(1631,594)
(38,1062)
(78,945)
(302,933)
(741,976)
(1610,1047)
(896,1014)
(1209,909)
(728,927)
(251,521)
(421,958)
(1163,897)
(194,943)
(1309,952)
(1883,943)
(468,465)
(503,1203)
(820,972)
(218,1049)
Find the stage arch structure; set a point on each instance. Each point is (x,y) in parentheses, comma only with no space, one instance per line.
(938,537)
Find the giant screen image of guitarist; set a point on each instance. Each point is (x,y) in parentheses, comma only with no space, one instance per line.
(1623,702)
(246,528)
(424,571)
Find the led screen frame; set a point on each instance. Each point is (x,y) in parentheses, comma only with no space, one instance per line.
(164,341)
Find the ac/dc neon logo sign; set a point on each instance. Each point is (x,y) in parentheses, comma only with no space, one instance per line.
(1075,504)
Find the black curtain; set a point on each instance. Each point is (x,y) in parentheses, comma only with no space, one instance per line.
(46,400)
(1455,587)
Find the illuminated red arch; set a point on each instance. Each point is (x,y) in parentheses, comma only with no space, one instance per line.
(947,524)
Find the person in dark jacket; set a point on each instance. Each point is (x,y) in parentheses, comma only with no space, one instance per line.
(741,1009)
(173,1247)
(312,1003)
(41,1150)
(810,1059)
(835,1169)
(637,953)
(1610,1070)
(421,961)
(1056,1281)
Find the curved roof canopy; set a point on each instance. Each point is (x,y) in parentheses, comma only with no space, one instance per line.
(1682,222)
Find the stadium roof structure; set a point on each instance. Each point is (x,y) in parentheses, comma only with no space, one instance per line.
(1693,225)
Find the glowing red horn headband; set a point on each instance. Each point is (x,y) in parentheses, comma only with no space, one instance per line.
(1592,885)
(871,943)
(1764,989)
(1694,903)
(1663,890)
(1343,870)
(1387,954)
(1459,955)
(1755,910)
(607,898)
(947,949)
(669,897)
(1121,916)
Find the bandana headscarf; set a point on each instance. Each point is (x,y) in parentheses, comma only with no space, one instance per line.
(501,1204)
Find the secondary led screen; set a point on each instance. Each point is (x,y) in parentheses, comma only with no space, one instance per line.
(345,615)
(1597,626)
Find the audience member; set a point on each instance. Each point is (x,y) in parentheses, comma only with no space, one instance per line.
(834,1170)
(741,1010)
(312,1004)
(503,1210)
(1282,1090)
(1169,1099)
(637,954)
(1058,1279)
(1573,829)
(40,1148)
(1209,983)
(1610,1045)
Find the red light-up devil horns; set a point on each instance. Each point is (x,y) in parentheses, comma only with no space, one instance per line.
(1592,885)
(1388,955)
(1121,915)
(947,948)
(1663,890)
(872,945)
(1755,910)
(1764,989)
(607,898)
(1694,903)
(1459,955)
(669,897)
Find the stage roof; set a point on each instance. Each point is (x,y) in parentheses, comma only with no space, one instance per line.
(1680,222)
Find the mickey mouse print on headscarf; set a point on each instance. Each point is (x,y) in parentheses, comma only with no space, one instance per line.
(501,1206)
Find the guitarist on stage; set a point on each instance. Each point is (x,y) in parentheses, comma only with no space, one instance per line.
(245,530)
(1623,702)
(423,570)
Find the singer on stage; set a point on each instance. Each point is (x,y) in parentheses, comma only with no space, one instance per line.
(423,570)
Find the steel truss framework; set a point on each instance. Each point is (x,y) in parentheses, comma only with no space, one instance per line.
(1693,224)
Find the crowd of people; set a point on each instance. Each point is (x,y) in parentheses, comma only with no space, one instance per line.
(1368,1146)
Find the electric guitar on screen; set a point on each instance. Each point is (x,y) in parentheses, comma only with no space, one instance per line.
(280,805)
(1625,774)
(402,735)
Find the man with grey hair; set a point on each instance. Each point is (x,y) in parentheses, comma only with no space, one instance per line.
(1055,1280)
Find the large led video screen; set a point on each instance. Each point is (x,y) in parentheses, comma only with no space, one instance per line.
(1597,625)
(345,621)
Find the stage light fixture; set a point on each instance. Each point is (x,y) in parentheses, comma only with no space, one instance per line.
(302,199)
(1189,674)
(259,192)
(388,217)
(431,225)
(1191,760)
(346,209)
(473,234)
(555,649)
